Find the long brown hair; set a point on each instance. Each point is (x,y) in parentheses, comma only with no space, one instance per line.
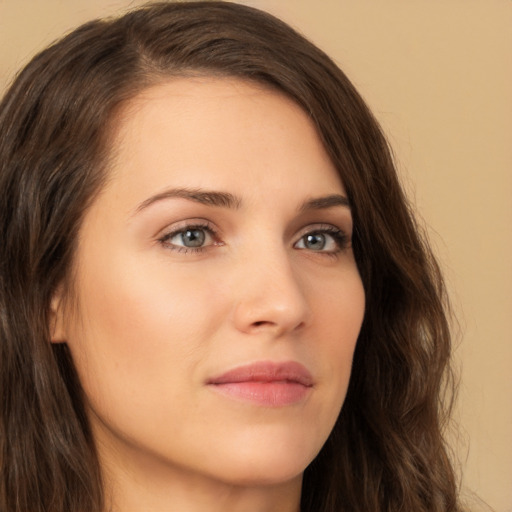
(386,452)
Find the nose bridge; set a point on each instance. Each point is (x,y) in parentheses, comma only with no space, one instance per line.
(270,294)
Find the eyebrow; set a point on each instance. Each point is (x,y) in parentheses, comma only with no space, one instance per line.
(324,202)
(228,200)
(207,197)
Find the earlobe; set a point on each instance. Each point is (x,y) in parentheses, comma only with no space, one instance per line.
(56,320)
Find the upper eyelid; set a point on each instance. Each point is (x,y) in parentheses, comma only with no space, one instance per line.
(325,228)
(209,226)
(322,226)
(178,227)
(202,223)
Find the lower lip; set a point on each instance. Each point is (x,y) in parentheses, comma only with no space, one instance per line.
(269,394)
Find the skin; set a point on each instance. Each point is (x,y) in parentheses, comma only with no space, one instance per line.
(155,320)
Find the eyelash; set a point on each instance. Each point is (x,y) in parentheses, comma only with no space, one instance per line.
(341,239)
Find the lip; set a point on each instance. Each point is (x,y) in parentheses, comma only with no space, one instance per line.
(265,383)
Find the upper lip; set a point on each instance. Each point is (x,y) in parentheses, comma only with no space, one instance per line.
(266,371)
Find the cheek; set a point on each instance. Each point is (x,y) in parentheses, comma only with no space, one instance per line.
(338,305)
(142,330)
(338,316)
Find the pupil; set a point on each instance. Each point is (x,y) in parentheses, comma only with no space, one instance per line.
(315,241)
(193,238)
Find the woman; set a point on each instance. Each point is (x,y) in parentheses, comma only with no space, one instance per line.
(213,293)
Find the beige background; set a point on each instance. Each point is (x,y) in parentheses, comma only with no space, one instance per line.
(438,75)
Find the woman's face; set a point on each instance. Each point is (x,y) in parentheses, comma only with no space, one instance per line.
(219,302)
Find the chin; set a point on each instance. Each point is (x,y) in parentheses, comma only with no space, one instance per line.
(267,463)
(253,474)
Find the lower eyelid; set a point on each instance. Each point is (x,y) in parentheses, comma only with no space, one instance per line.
(184,250)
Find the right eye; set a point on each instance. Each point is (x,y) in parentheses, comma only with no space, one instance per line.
(189,238)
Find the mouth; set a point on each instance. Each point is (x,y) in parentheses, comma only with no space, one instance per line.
(265,383)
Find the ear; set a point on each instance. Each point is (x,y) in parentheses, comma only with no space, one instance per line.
(57,331)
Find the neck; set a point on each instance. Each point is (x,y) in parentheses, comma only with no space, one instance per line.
(132,486)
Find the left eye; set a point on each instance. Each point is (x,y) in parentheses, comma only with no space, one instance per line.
(322,241)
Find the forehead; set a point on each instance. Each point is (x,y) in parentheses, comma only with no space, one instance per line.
(218,132)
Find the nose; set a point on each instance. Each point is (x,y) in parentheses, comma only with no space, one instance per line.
(270,296)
